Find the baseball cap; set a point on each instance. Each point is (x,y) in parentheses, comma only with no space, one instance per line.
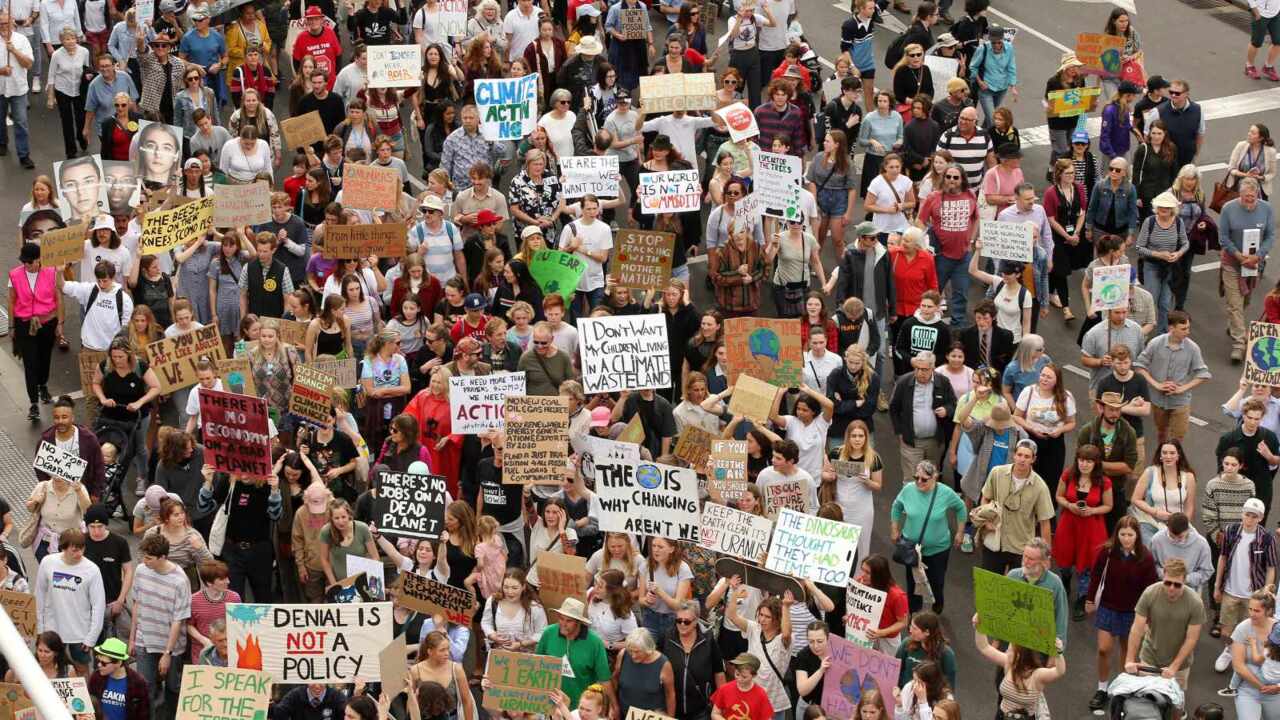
(600,417)
(316,496)
(200,14)
(747,660)
(432,202)
(192,163)
(866,228)
(313,11)
(474,301)
(97,514)
(529,231)
(1080,136)
(1255,506)
(588,11)
(947,40)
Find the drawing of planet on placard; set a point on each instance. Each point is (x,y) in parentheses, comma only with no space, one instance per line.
(1110,60)
(1264,352)
(1111,294)
(649,476)
(766,349)
(853,687)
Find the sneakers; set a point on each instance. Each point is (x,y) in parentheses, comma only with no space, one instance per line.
(1237,355)
(1077,610)
(34,414)
(1270,74)
(1227,692)
(45,398)
(35,85)
(1251,71)
(1099,700)
(966,544)
(26,163)
(1223,660)
(883,403)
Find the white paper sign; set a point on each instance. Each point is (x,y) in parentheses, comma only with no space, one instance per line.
(776,184)
(648,499)
(476,402)
(146,12)
(943,69)
(593,450)
(508,106)
(1007,240)
(589,175)
(453,18)
(320,643)
(1250,241)
(734,532)
(740,121)
(374,575)
(807,546)
(395,66)
(1109,287)
(669,192)
(59,463)
(74,691)
(624,352)
(863,606)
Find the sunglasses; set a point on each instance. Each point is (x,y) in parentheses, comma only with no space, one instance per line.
(951,177)
(1116,170)
(562,102)
(120,105)
(1174,584)
(684,621)
(1177,93)
(915,54)
(730,82)
(541,343)
(103,660)
(923,479)
(733,193)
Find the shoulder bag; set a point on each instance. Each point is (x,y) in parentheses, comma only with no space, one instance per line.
(1222,194)
(218,532)
(27,536)
(906,552)
(788,687)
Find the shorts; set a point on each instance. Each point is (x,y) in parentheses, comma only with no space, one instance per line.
(1115,622)
(867,74)
(1234,610)
(833,203)
(1262,27)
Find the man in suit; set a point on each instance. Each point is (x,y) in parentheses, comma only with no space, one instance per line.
(921,409)
(985,343)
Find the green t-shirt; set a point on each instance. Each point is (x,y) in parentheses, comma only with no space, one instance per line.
(1167,624)
(338,553)
(586,655)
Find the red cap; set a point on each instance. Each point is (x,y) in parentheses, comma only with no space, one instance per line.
(487,217)
(313,11)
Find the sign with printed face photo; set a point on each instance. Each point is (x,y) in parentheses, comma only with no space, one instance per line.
(156,153)
(82,192)
(121,179)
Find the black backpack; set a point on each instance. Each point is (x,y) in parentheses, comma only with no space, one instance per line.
(93,295)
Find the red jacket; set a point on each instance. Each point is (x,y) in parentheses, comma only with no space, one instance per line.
(911,278)
(828,325)
(429,294)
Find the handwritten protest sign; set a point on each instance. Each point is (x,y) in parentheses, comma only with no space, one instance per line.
(370,187)
(21,608)
(302,130)
(635,713)
(52,460)
(477,402)
(765,348)
(673,191)
(740,121)
(537,440)
(624,352)
(733,532)
(693,446)
(942,68)
(453,18)
(508,106)
(235,206)
(592,450)
(863,607)
(395,66)
(89,361)
(752,398)
(855,670)
(237,376)
(395,670)
(1073,102)
(633,432)
(291,332)
(671,92)
(74,691)
(323,643)
(343,370)
(806,546)
(411,505)
(643,259)
(557,272)
(234,428)
(1262,362)
(1014,611)
(1109,289)
(62,246)
(223,692)
(727,475)
(790,495)
(374,572)
(746,212)
(776,180)
(632,25)
(311,394)
(167,229)
(1100,53)
(648,499)
(589,175)
(1007,240)
(521,682)
(13,700)
(346,242)
(761,579)
(174,359)
(428,596)
(561,576)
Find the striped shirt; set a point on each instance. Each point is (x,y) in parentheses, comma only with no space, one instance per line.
(1224,502)
(160,600)
(970,154)
(1155,238)
(438,248)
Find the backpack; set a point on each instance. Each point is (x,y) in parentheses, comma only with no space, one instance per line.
(1022,293)
(894,53)
(1149,225)
(93,295)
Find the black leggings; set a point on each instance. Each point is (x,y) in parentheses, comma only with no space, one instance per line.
(1060,278)
(36,352)
(71,111)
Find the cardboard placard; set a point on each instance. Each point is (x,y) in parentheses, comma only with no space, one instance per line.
(596,175)
(1073,102)
(369,187)
(1015,611)
(223,692)
(291,332)
(410,505)
(1109,287)
(557,272)
(643,259)
(374,572)
(1008,240)
(428,596)
(13,700)
(632,23)
(235,432)
(1100,53)
(858,669)
(165,230)
(693,446)
(174,359)
(733,532)
(310,397)
(668,93)
(537,440)
(727,475)
(863,607)
(394,664)
(318,643)
(752,398)
(561,576)
(672,191)
(790,495)
(766,349)
(1262,361)
(776,180)
(648,499)
(395,66)
(477,403)
(235,206)
(633,433)
(521,682)
(807,546)
(349,590)
(21,609)
(89,362)
(52,460)
(740,121)
(237,376)
(302,130)
(508,107)
(62,246)
(343,371)
(761,579)
(624,352)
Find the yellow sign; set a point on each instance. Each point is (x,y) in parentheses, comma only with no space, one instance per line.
(167,229)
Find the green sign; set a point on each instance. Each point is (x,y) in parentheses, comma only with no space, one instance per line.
(1015,611)
(557,272)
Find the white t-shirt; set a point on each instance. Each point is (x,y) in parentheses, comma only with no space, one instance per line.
(523,30)
(595,237)
(193,399)
(812,441)
(102,321)
(666,581)
(1238,579)
(1042,411)
(816,370)
(429,24)
(775,38)
(119,257)
(559,132)
(1008,312)
(748,32)
(889,222)
(174,331)
(769,477)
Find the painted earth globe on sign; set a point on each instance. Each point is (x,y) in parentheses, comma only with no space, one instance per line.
(1265,354)
(764,341)
(648,476)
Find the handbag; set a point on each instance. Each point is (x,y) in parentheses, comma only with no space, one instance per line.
(1135,71)
(218,531)
(27,535)
(1221,196)
(906,552)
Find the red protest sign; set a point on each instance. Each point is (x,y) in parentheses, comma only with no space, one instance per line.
(235,433)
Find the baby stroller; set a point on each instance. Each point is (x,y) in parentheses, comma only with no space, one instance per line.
(1145,696)
(120,434)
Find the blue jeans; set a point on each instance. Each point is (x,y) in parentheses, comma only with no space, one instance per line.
(16,108)
(1157,278)
(957,273)
(658,624)
(590,299)
(164,698)
(990,100)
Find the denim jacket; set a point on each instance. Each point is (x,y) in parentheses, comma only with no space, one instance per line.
(1126,200)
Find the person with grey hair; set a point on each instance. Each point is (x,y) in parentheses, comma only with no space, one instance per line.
(921,409)
(642,677)
(1024,504)
(558,122)
(1036,559)
(1245,213)
(928,518)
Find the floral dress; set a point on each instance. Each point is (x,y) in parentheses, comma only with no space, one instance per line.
(535,199)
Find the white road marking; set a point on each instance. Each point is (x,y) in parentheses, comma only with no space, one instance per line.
(1129,5)
(77,395)
(1076,370)
(887,19)
(1014,21)
(1207,266)
(827,62)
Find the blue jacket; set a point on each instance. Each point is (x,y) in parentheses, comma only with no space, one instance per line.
(998,70)
(1125,200)
(1117,131)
